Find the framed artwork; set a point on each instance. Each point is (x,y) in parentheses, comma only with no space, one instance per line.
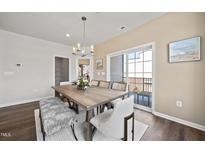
(99,64)
(184,50)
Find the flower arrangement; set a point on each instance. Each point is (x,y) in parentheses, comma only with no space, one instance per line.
(82,83)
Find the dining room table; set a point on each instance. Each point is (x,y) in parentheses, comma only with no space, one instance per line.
(88,99)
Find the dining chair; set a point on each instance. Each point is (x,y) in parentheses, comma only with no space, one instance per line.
(119,86)
(94,83)
(65,99)
(104,84)
(65,83)
(116,122)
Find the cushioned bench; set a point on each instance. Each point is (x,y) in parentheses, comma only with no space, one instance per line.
(55,116)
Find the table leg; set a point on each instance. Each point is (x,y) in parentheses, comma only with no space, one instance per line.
(57,94)
(88,125)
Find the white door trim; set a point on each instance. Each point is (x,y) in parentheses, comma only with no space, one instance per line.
(117,53)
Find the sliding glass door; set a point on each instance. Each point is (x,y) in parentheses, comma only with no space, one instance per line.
(135,68)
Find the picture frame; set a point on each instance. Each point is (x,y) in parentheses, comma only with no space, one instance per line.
(99,64)
(185,50)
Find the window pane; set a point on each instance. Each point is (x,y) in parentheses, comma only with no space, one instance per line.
(131,61)
(148,55)
(139,67)
(147,75)
(131,67)
(131,55)
(131,74)
(139,75)
(139,56)
(131,80)
(148,66)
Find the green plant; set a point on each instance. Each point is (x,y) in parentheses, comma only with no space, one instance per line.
(82,83)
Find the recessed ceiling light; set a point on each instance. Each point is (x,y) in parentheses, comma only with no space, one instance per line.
(67,35)
(123,27)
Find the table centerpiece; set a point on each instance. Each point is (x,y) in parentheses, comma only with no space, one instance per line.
(82,83)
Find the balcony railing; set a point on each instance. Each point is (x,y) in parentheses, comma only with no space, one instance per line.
(139,84)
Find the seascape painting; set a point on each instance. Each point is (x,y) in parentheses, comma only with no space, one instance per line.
(185,50)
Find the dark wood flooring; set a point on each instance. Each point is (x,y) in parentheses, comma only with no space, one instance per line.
(17,123)
(161,129)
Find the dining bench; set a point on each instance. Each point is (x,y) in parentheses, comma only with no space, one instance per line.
(54,116)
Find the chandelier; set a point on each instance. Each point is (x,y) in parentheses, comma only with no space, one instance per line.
(83,50)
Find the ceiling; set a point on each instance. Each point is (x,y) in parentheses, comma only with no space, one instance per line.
(54,26)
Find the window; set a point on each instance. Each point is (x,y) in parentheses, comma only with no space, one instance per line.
(137,69)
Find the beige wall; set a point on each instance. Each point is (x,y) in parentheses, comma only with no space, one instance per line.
(177,81)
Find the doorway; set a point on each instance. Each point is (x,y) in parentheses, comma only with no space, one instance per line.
(135,67)
(84,68)
(61,70)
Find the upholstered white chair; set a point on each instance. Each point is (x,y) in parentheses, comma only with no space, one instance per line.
(65,83)
(103,84)
(112,122)
(64,98)
(120,87)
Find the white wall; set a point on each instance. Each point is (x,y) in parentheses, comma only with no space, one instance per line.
(34,79)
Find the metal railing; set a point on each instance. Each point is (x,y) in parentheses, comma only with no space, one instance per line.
(139,84)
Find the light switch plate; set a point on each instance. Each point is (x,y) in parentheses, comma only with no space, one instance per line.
(8,73)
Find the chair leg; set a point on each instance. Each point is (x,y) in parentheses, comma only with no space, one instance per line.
(126,126)
(98,110)
(102,108)
(133,127)
(109,106)
(73,131)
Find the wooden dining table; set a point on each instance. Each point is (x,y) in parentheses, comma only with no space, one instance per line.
(88,100)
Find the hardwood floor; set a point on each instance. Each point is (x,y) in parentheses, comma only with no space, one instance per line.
(161,129)
(17,123)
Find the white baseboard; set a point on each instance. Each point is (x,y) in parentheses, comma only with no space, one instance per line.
(181,121)
(143,108)
(22,102)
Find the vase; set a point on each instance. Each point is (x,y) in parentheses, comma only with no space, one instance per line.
(81,87)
